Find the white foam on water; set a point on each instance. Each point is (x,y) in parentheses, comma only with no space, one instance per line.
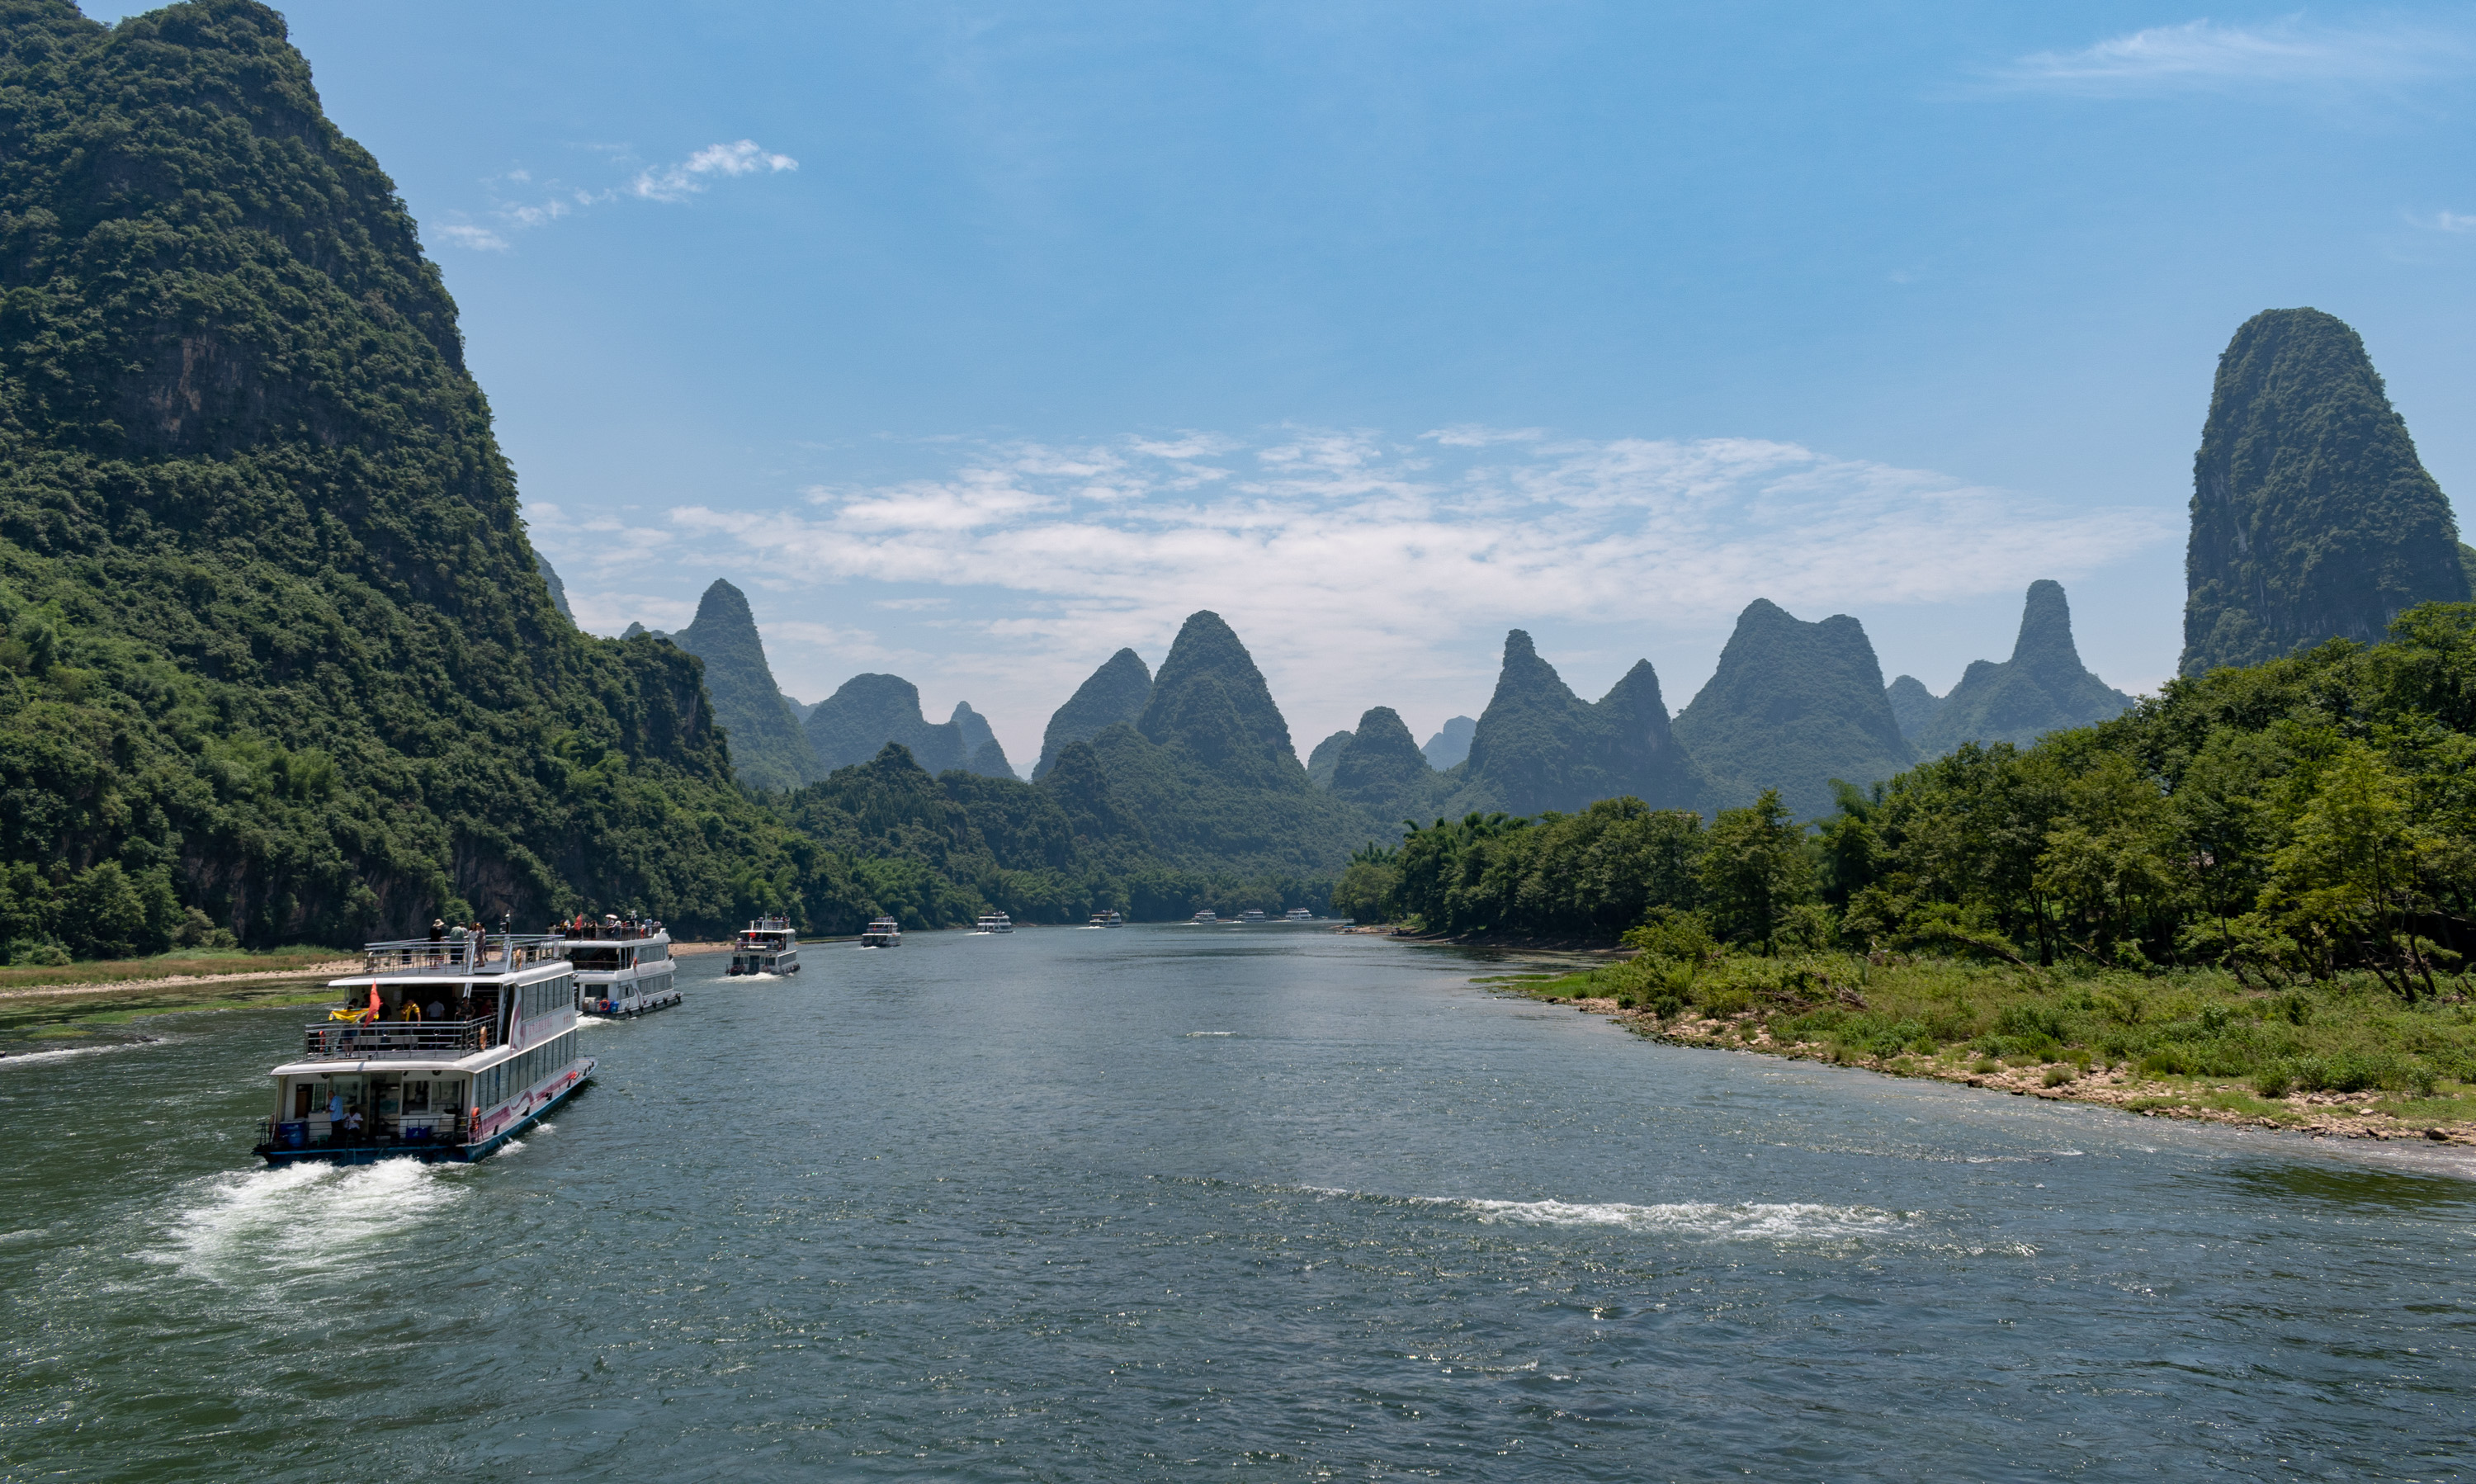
(1751,1221)
(302,1215)
(31,1058)
(1192,1034)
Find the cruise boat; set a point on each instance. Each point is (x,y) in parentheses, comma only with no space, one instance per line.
(1252,915)
(437,1051)
(885,933)
(1107,919)
(1208,917)
(769,946)
(995,922)
(622,969)
(1297,915)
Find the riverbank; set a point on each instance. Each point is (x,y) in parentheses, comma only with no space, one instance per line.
(2342,1060)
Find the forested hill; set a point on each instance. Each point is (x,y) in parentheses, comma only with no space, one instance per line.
(279,659)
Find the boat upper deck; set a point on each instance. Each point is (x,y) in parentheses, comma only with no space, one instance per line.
(497,955)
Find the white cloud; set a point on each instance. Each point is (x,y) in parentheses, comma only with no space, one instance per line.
(669,183)
(1363,571)
(2447,221)
(2205,56)
(481,239)
(678,182)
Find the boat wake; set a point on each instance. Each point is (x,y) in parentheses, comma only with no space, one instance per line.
(305,1216)
(1746,1221)
(43,1058)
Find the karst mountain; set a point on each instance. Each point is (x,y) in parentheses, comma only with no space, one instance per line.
(1793,705)
(2043,688)
(1116,692)
(2312,518)
(768,747)
(855,724)
(1538,746)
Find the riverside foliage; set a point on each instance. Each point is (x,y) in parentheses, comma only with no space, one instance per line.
(2294,821)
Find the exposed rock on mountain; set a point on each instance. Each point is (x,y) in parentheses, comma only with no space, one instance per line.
(1326,754)
(767,748)
(1538,746)
(2311,517)
(1451,744)
(2041,688)
(558,588)
(1116,692)
(1792,706)
(1913,705)
(1383,772)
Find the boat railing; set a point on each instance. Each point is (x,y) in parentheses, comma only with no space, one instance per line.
(496,952)
(597,933)
(377,1040)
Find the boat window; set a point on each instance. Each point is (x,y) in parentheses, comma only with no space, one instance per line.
(596,959)
(416,1095)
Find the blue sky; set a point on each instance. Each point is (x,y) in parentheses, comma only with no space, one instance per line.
(975,341)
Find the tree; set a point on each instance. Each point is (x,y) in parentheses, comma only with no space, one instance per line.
(1754,869)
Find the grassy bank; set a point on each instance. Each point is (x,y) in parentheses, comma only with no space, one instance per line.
(193,963)
(2345,1055)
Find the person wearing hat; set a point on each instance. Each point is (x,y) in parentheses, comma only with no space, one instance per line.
(438,929)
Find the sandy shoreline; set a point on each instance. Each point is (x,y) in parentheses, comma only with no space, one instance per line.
(2319,1114)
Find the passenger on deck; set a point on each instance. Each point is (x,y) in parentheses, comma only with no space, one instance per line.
(437,1010)
(353,1121)
(437,928)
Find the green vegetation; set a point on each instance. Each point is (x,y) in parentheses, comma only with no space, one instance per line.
(277,650)
(1912,705)
(2295,821)
(2311,517)
(2197,1039)
(1381,770)
(939,851)
(768,750)
(196,963)
(1117,692)
(1538,746)
(1792,706)
(2042,687)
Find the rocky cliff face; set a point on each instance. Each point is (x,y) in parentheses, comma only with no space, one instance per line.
(1792,706)
(768,750)
(1451,744)
(2042,687)
(2311,517)
(558,588)
(1116,692)
(1538,746)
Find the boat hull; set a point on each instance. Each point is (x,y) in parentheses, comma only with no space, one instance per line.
(427,1153)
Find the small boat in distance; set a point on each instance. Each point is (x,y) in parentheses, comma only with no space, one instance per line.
(1208,917)
(622,967)
(995,922)
(1107,919)
(769,946)
(1297,915)
(885,933)
(440,1050)
(1252,915)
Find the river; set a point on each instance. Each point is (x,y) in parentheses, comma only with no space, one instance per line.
(1169,1202)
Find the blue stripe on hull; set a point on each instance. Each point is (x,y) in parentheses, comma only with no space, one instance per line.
(431,1153)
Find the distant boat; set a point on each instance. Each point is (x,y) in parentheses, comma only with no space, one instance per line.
(1297,915)
(769,946)
(1107,919)
(622,969)
(1252,915)
(995,922)
(885,933)
(1207,916)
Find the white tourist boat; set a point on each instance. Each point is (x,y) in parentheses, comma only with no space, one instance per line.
(885,933)
(440,1050)
(1107,918)
(768,946)
(1297,915)
(1206,917)
(1252,915)
(995,922)
(623,969)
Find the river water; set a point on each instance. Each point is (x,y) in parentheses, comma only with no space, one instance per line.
(1173,1201)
